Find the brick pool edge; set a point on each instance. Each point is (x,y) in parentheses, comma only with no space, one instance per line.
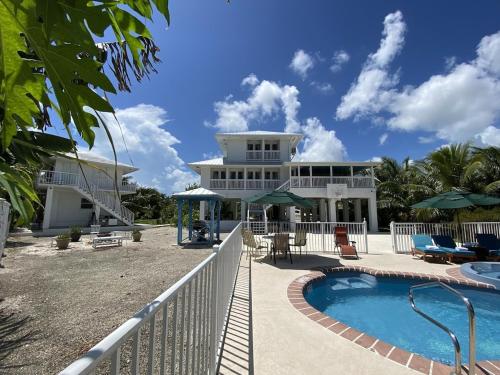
(410,360)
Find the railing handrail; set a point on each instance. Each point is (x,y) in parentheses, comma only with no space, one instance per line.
(103,181)
(454,339)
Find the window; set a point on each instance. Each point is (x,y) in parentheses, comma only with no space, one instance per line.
(222,175)
(275,146)
(250,146)
(86,204)
(275,176)
(257,175)
(232,175)
(267,175)
(249,175)
(240,175)
(215,175)
(272,145)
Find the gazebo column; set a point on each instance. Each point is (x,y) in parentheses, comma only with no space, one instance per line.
(180,202)
(190,223)
(219,207)
(212,214)
(333,209)
(202,210)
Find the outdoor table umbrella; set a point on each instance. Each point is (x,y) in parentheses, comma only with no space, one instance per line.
(280,198)
(457,199)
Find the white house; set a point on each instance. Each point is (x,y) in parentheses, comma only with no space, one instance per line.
(81,194)
(258,161)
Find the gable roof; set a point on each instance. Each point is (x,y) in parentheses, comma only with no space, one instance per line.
(92,157)
(199,193)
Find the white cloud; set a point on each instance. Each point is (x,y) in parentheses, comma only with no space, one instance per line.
(457,106)
(267,99)
(250,80)
(372,90)
(150,146)
(340,58)
(425,140)
(450,62)
(322,87)
(301,63)
(320,144)
(376,159)
(383,138)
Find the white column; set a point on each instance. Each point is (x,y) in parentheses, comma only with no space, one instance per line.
(315,213)
(311,177)
(373,176)
(352,178)
(202,210)
(262,177)
(345,210)
(333,210)
(372,214)
(97,210)
(298,174)
(322,210)
(357,210)
(47,212)
(245,178)
(243,209)
(291,214)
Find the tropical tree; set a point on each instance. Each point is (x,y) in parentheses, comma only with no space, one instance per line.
(52,62)
(484,170)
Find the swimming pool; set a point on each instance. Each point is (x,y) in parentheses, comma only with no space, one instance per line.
(379,307)
(485,272)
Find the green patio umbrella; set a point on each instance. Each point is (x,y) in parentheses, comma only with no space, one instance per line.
(280,198)
(457,199)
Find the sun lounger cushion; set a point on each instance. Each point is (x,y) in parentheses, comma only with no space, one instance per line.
(444,241)
(488,240)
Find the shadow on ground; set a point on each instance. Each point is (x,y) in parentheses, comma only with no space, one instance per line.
(305,262)
(13,335)
(237,350)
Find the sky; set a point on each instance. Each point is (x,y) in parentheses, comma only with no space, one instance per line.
(359,79)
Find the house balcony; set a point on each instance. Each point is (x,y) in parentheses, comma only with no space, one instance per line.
(223,184)
(357,182)
(263,155)
(103,183)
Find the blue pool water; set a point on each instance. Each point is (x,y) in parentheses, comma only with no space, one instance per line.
(379,306)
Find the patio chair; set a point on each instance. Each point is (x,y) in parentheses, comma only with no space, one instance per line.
(300,240)
(281,244)
(425,248)
(253,245)
(490,242)
(454,253)
(347,248)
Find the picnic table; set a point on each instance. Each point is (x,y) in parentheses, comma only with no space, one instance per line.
(108,241)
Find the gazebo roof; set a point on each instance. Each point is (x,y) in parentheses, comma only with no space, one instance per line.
(198,194)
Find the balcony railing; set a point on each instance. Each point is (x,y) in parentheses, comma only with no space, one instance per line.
(254,155)
(46,177)
(322,182)
(263,155)
(219,184)
(271,155)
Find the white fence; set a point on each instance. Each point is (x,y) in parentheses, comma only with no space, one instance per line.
(320,236)
(401,232)
(182,328)
(4,224)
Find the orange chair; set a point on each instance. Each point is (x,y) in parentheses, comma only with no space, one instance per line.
(347,248)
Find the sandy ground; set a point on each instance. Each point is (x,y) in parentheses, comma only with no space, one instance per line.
(56,304)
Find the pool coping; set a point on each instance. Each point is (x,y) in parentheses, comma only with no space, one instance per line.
(295,293)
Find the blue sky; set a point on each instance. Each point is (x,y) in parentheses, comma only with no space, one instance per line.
(407,77)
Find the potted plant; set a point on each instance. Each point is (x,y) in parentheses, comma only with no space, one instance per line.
(62,241)
(136,235)
(75,233)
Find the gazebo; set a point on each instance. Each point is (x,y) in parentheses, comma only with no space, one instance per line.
(214,201)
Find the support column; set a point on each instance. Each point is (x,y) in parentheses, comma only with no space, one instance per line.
(315,213)
(333,210)
(202,210)
(345,210)
(372,214)
(47,212)
(180,202)
(322,210)
(243,209)
(357,210)
(190,222)
(211,205)
(97,213)
(219,207)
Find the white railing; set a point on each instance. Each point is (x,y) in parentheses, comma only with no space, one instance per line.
(271,184)
(103,182)
(181,331)
(401,232)
(254,184)
(236,184)
(323,181)
(272,155)
(244,184)
(320,236)
(284,186)
(217,184)
(107,199)
(254,155)
(4,224)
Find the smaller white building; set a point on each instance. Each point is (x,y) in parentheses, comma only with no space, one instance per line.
(84,193)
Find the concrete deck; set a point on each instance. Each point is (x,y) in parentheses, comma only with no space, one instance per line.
(287,342)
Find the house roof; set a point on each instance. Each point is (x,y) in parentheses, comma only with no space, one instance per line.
(92,157)
(198,194)
(216,161)
(293,137)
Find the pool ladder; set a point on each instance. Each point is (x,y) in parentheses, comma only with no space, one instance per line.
(456,344)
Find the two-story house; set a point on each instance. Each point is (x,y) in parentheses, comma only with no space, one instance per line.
(84,193)
(256,161)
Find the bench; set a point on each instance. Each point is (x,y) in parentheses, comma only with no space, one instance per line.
(107,241)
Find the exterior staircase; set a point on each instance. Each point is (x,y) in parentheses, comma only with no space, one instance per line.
(106,200)
(284,186)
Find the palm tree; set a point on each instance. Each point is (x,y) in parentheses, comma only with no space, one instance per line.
(484,170)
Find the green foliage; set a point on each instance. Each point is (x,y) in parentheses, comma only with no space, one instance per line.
(75,230)
(458,166)
(49,59)
(63,236)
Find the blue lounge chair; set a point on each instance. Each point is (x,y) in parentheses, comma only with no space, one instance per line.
(490,242)
(422,242)
(447,244)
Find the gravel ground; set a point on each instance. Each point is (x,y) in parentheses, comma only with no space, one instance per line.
(56,304)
